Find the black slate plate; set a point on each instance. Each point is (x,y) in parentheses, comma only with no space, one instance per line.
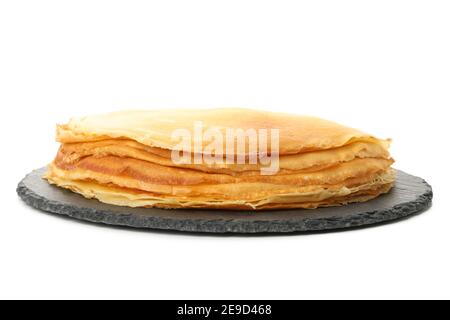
(410,196)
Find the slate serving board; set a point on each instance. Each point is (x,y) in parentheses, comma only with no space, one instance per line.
(411,195)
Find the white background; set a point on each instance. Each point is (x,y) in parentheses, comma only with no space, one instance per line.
(382,66)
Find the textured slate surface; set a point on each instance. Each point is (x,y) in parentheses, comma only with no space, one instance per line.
(410,196)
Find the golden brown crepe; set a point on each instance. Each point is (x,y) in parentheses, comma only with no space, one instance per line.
(124,158)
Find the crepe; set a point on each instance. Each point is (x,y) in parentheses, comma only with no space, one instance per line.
(154,128)
(126,158)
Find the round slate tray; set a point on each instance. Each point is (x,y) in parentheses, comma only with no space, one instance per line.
(410,195)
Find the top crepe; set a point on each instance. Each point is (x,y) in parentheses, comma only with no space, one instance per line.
(154,128)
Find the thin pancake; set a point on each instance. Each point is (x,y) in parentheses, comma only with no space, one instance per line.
(154,128)
(142,175)
(137,198)
(70,153)
(125,158)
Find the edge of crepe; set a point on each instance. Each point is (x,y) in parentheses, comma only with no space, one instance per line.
(107,195)
(66,135)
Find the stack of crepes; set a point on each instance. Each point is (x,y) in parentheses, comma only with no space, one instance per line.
(125,158)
